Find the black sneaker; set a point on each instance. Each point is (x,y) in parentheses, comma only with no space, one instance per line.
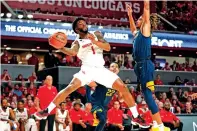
(140,122)
(41,114)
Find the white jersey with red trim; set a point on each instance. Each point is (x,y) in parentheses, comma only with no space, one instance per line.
(5,114)
(89,53)
(21,115)
(62,116)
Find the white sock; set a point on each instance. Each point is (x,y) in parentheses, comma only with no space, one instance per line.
(161,127)
(134,111)
(51,107)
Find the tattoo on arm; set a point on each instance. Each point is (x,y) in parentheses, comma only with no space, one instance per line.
(75,46)
(100,37)
(71,51)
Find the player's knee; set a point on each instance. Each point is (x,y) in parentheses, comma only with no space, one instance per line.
(71,87)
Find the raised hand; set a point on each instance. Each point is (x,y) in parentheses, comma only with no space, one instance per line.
(129,9)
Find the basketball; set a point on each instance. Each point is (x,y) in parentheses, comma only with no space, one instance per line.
(58,40)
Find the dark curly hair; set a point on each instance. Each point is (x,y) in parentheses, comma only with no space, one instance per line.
(75,23)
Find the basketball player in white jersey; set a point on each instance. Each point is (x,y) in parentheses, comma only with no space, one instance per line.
(6,124)
(89,49)
(62,118)
(22,117)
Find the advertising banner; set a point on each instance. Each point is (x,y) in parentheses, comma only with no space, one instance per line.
(83,7)
(36,29)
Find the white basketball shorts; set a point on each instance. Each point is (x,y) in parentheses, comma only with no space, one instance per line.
(101,75)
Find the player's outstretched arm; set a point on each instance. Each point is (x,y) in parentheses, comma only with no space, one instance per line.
(71,51)
(146,27)
(102,43)
(131,20)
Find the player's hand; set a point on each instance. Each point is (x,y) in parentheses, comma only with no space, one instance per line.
(25,120)
(91,37)
(64,126)
(10,122)
(129,10)
(121,127)
(83,125)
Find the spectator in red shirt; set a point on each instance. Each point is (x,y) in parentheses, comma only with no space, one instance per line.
(178,110)
(14,98)
(143,107)
(33,77)
(188,67)
(188,108)
(194,67)
(88,117)
(24,100)
(179,67)
(25,93)
(164,96)
(190,91)
(166,67)
(31,107)
(4,57)
(68,103)
(32,90)
(13,105)
(76,116)
(133,92)
(192,83)
(185,95)
(45,95)
(174,104)
(115,118)
(20,78)
(170,120)
(160,105)
(33,60)
(82,91)
(5,76)
(154,96)
(158,80)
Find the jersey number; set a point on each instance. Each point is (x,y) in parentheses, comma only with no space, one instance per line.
(110,92)
(93,51)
